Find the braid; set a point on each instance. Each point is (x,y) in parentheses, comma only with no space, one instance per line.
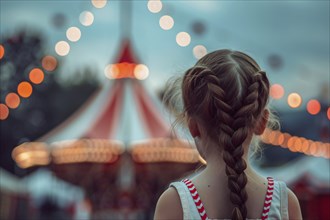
(229,98)
(235,129)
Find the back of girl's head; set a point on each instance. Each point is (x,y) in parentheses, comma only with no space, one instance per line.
(226,92)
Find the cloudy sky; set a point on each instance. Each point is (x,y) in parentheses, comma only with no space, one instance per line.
(296,31)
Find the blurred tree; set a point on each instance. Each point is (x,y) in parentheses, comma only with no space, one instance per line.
(51,101)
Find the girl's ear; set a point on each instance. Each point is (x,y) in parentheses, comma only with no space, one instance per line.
(193,128)
(262,123)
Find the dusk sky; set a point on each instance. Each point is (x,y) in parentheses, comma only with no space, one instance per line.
(296,31)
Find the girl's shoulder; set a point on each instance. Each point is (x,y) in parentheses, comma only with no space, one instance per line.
(169,205)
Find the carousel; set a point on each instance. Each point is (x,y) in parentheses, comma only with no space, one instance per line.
(119,146)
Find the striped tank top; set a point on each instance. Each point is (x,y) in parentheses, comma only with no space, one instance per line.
(275,203)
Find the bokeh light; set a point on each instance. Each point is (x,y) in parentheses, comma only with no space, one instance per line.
(199,51)
(298,144)
(312,148)
(36,76)
(291,142)
(280,139)
(155,6)
(313,107)
(2,51)
(4,112)
(86,18)
(99,3)
(328,113)
(166,22)
(111,71)
(49,63)
(24,89)
(141,72)
(73,34)
(183,39)
(286,137)
(305,145)
(276,91)
(62,48)
(294,100)
(12,100)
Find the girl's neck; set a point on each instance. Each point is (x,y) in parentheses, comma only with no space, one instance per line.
(216,164)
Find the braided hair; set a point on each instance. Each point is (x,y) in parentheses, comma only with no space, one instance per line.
(228,92)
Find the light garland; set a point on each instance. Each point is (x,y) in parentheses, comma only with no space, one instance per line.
(31,154)
(49,63)
(296,144)
(277,91)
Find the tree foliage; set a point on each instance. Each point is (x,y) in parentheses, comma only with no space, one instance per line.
(51,102)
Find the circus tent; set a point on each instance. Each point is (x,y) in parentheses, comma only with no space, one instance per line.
(120,117)
(119,144)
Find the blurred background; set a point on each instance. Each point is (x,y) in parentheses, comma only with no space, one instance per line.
(84,134)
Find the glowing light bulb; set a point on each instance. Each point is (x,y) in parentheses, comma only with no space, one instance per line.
(49,63)
(166,22)
(111,71)
(86,18)
(2,51)
(183,39)
(99,3)
(199,51)
(73,34)
(36,76)
(313,107)
(4,112)
(276,91)
(155,6)
(141,72)
(12,100)
(294,100)
(24,89)
(62,48)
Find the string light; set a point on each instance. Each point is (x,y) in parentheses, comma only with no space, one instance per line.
(86,18)
(296,144)
(24,89)
(111,71)
(12,100)
(276,91)
(62,48)
(294,100)
(49,63)
(73,34)
(2,51)
(199,51)
(141,71)
(313,107)
(36,76)
(99,3)
(155,6)
(183,39)
(166,22)
(4,112)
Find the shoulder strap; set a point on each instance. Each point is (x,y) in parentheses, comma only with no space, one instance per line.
(284,201)
(196,198)
(268,199)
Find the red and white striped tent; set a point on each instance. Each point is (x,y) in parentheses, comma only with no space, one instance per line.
(121,116)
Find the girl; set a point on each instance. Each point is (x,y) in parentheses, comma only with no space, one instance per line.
(224,104)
